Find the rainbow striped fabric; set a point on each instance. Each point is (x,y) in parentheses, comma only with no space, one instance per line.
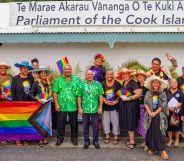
(44,96)
(110,94)
(123,92)
(155,101)
(61,63)
(25,120)
(6,89)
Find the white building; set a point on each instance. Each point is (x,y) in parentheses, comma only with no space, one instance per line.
(81,43)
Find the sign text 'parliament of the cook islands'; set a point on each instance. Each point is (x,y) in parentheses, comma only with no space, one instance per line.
(97,12)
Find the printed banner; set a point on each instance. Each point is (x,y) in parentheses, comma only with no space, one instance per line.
(97,12)
(25,120)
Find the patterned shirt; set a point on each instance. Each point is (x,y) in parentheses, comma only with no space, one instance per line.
(66,90)
(89,93)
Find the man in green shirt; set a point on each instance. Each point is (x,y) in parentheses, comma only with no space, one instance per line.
(65,99)
(90,101)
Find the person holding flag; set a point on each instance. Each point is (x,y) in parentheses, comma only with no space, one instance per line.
(5,85)
(65,98)
(20,87)
(41,91)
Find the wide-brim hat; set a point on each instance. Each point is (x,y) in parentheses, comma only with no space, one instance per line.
(120,71)
(99,55)
(163,83)
(23,64)
(42,68)
(140,71)
(5,65)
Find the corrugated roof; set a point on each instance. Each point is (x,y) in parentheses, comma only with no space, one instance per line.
(91,29)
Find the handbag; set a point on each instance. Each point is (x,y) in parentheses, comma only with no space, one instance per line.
(175,119)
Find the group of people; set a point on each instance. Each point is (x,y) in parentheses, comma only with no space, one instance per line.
(132,100)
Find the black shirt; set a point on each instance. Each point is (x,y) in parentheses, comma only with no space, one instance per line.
(110,95)
(143,93)
(178,95)
(20,87)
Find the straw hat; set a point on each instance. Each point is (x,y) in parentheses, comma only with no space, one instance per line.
(164,84)
(120,71)
(5,65)
(99,55)
(42,68)
(140,71)
(24,64)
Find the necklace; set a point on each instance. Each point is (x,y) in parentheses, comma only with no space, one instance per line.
(43,88)
(161,73)
(89,88)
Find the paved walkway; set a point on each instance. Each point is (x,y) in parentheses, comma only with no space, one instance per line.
(68,152)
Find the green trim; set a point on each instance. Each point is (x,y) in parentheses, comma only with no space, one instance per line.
(110,38)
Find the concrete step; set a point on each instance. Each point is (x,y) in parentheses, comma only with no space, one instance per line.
(67,143)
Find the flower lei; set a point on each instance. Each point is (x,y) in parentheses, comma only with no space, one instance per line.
(161,75)
(42,87)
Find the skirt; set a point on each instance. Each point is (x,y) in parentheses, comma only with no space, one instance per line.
(154,138)
(140,126)
(128,115)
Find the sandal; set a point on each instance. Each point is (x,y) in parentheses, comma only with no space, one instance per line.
(45,142)
(169,144)
(176,143)
(127,143)
(19,143)
(26,143)
(115,141)
(4,142)
(146,148)
(151,152)
(130,146)
(41,144)
(107,140)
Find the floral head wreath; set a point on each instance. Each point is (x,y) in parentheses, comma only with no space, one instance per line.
(101,56)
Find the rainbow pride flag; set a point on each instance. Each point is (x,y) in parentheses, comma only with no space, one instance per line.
(61,63)
(25,120)
(44,96)
(123,92)
(6,89)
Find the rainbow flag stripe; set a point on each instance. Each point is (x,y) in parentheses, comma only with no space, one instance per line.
(24,120)
(124,92)
(61,63)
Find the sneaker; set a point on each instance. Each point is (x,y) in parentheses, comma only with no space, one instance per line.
(164,155)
